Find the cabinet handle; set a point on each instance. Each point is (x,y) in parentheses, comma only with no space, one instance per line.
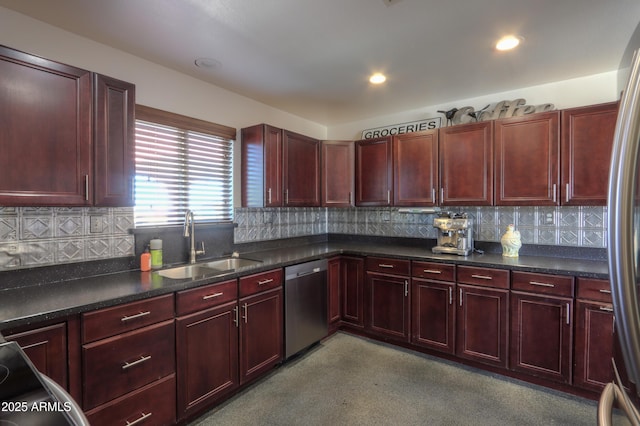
(568,313)
(388,196)
(136,316)
(235,315)
(211,296)
(142,418)
(245,316)
(460,297)
(566,192)
(441,194)
(605,291)
(263,282)
(286,196)
(406,288)
(451,295)
(431,271)
(86,187)
(269,195)
(555,187)
(539,284)
(433,195)
(350,197)
(482,277)
(606,309)
(142,359)
(385,265)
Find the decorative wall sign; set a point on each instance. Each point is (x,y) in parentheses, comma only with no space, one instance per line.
(398,129)
(502,109)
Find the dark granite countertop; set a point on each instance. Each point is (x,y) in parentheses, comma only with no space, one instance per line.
(32,304)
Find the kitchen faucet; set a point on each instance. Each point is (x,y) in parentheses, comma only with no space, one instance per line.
(189,222)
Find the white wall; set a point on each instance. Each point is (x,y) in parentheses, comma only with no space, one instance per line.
(590,90)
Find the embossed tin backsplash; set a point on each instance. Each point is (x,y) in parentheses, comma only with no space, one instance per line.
(40,236)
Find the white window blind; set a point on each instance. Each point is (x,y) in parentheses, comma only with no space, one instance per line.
(179,169)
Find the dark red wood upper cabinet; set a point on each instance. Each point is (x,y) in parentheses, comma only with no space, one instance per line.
(338,173)
(527,151)
(587,140)
(466,164)
(114,139)
(261,168)
(415,169)
(374,172)
(301,170)
(46,131)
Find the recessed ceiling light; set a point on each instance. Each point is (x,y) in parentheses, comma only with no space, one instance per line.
(377,78)
(207,63)
(508,42)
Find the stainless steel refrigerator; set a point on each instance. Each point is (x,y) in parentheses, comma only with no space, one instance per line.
(624,233)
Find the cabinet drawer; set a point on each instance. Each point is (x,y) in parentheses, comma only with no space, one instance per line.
(434,271)
(119,319)
(151,405)
(594,289)
(556,285)
(260,282)
(205,297)
(387,266)
(486,277)
(127,362)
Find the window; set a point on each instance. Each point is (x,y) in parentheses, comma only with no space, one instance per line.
(181,163)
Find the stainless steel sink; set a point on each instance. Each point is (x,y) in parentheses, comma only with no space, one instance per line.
(208,269)
(189,271)
(231,263)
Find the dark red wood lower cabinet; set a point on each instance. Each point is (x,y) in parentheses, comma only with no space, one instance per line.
(433,321)
(207,357)
(594,345)
(261,340)
(388,306)
(481,324)
(541,336)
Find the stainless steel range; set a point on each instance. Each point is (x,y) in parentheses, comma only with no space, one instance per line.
(455,234)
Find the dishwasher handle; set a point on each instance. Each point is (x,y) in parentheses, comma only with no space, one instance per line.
(305,273)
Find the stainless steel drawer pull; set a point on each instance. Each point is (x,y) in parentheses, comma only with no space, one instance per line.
(211,296)
(141,419)
(539,284)
(431,271)
(263,282)
(606,309)
(136,316)
(384,265)
(605,291)
(134,363)
(482,277)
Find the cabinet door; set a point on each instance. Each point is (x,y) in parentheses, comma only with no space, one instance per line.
(481,324)
(338,173)
(594,345)
(466,164)
(433,321)
(333,287)
(114,139)
(46,347)
(415,169)
(541,336)
(301,168)
(46,132)
(388,306)
(587,140)
(352,283)
(374,172)
(260,333)
(527,157)
(207,357)
(261,168)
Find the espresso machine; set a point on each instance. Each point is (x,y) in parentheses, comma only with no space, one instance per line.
(455,233)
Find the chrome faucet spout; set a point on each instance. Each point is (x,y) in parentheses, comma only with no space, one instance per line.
(189,232)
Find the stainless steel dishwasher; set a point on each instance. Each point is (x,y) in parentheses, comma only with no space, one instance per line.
(305,305)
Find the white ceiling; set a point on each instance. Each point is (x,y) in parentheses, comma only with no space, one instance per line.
(313,58)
